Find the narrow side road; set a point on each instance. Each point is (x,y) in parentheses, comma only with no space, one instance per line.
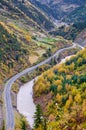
(7,91)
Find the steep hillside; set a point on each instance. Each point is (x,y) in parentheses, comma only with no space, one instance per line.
(52,13)
(21,47)
(72,31)
(20,9)
(19,21)
(76,26)
(78,14)
(72,12)
(61,92)
(13,54)
(57,8)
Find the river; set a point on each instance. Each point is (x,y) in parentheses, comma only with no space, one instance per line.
(25,104)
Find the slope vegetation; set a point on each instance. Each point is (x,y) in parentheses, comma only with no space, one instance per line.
(61,91)
(21,9)
(12,53)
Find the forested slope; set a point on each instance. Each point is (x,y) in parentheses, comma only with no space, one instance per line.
(61,91)
(12,53)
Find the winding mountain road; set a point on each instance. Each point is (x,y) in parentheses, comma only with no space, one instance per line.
(7,91)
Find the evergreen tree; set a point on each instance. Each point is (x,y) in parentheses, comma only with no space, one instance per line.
(38,117)
(45,124)
(23,124)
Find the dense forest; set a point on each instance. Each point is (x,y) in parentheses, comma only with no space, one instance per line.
(61,92)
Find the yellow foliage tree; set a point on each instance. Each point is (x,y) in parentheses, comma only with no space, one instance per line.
(77,98)
(58,82)
(59,98)
(28,37)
